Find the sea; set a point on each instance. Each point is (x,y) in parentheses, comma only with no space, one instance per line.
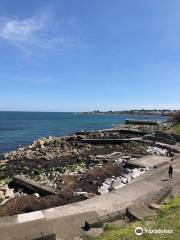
(22,128)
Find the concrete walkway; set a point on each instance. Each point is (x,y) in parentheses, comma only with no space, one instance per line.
(151,181)
(149,161)
(58,219)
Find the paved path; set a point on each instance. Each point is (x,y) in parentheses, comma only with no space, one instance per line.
(152,181)
(58,218)
(149,161)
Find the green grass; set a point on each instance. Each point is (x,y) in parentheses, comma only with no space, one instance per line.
(175,128)
(5,180)
(168,218)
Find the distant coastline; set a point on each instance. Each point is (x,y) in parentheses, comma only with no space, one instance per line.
(164,112)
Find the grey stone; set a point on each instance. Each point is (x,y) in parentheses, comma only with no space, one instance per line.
(140,211)
(17,194)
(94,232)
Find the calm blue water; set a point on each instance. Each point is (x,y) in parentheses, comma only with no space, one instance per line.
(21,128)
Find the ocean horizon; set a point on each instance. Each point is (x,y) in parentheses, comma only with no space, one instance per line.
(20,128)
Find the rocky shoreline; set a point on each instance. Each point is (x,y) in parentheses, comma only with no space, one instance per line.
(73,167)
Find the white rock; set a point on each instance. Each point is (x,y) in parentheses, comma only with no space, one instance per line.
(117,184)
(109,181)
(4,187)
(124,180)
(103,189)
(9,193)
(156,150)
(2,196)
(133,175)
(128,170)
(129,179)
(36,194)
(79,193)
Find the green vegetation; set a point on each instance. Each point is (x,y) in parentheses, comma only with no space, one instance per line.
(175,119)
(59,170)
(51,174)
(168,218)
(5,180)
(175,129)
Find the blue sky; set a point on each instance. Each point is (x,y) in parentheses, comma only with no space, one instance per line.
(58,55)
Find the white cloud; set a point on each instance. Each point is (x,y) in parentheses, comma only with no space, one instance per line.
(25,33)
(41,32)
(14,30)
